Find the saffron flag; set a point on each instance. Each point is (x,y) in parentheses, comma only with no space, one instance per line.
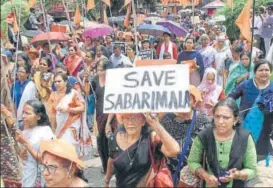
(197,2)
(107,2)
(127,17)
(15,25)
(126,2)
(105,18)
(31,3)
(90,4)
(243,21)
(165,2)
(77,18)
(230,3)
(184,3)
(174,10)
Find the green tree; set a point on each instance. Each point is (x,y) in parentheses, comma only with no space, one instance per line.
(231,16)
(7,7)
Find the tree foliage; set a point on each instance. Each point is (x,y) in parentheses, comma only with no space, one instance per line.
(7,7)
(231,16)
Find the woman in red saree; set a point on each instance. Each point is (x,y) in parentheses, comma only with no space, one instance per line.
(73,62)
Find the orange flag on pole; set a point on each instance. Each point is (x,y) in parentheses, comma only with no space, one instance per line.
(107,2)
(197,2)
(127,17)
(230,3)
(184,3)
(165,2)
(90,4)
(31,3)
(15,25)
(243,21)
(174,10)
(77,18)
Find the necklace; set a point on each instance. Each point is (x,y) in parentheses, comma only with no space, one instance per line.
(132,159)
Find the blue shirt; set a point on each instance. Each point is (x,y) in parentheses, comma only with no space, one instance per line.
(17,90)
(185,56)
(248,93)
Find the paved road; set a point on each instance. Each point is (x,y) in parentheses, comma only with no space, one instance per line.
(93,170)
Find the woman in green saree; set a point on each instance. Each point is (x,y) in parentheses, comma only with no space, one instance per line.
(243,70)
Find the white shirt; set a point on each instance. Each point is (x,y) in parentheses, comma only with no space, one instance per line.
(257,24)
(122,59)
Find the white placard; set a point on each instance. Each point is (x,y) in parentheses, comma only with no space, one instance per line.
(147,89)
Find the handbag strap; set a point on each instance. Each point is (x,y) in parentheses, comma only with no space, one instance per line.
(184,149)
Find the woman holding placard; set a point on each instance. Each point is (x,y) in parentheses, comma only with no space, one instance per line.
(131,149)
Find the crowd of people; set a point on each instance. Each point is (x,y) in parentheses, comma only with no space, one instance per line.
(52,98)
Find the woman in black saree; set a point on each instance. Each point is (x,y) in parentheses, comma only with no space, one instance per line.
(129,148)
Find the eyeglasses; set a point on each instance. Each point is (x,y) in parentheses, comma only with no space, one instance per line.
(218,117)
(51,169)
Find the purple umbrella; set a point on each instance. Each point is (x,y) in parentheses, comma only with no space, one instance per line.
(97,30)
(174,27)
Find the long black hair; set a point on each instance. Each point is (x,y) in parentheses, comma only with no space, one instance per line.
(65,78)
(39,110)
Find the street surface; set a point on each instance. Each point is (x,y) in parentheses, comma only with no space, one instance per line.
(93,169)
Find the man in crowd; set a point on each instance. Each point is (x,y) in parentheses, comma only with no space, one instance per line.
(267,28)
(118,59)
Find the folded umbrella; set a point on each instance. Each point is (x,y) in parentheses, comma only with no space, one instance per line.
(98,30)
(174,27)
(154,30)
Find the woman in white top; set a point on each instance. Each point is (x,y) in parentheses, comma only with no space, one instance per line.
(36,128)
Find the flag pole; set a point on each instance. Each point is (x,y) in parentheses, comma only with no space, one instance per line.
(252,33)
(135,29)
(46,25)
(83,12)
(193,31)
(17,46)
